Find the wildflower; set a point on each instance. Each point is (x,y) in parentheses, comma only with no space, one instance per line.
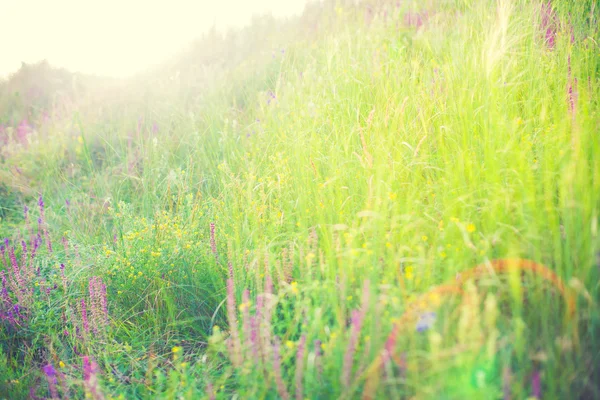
(426,321)
(232,318)
(281,389)
(471,228)
(294,287)
(409,272)
(300,366)
(50,373)
(424,238)
(90,379)
(358,317)
(84,316)
(536,386)
(548,24)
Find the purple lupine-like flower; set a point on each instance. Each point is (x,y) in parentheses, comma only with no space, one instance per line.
(50,373)
(98,304)
(23,253)
(23,129)
(84,317)
(281,389)
(230,270)
(41,205)
(88,368)
(355,328)
(426,321)
(300,366)
(548,24)
(36,244)
(233,328)
(93,304)
(104,301)
(358,317)
(536,385)
(573,96)
(254,344)
(4,289)
(90,378)
(32,395)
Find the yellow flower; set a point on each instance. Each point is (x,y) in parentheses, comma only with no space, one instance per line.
(289,344)
(435,299)
(424,238)
(176,349)
(61,364)
(392,196)
(408,272)
(294,286)
(471,228)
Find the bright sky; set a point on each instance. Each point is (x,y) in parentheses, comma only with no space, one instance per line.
(116,37)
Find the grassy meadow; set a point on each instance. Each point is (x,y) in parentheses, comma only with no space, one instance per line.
(388,201)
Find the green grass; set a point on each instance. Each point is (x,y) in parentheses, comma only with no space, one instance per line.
(360,169)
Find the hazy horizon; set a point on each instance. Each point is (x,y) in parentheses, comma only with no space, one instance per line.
(114,39)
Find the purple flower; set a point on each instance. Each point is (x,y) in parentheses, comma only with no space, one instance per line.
(23,129)
(84,318)
(281,389)
(548,24)
(536,385)
(426,321)
(41,204)
(358,317)
(300,366)
(50,373)
(233,325)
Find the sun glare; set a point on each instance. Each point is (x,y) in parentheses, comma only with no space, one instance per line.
(117,38)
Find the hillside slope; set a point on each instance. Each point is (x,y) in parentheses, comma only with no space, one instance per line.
(308,224)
